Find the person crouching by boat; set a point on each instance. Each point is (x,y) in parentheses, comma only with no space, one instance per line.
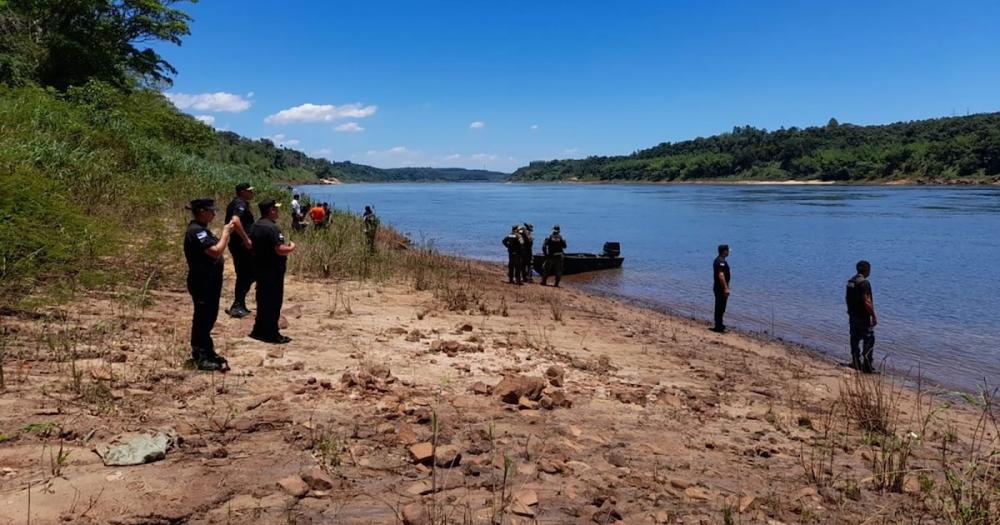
(203,251)
(527,246)
(553,249)
(513,242)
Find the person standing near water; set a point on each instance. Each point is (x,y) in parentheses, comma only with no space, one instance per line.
(239,215)
(369,226)
(203,251)
(862,319)
(513,243)
(553,248)
(270,251)
(528,240)
(720,286)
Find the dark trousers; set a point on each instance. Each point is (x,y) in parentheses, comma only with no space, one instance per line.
(270,295)
(206,311)
(862,333)
(553,265)
(721,300)
(526,265)
(515,269)
(243,264)
(370,241)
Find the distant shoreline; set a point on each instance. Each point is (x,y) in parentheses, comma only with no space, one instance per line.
(903,183)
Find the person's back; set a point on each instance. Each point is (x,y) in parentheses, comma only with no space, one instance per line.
(861,318)
(316,214)
(857,288)
(554,244)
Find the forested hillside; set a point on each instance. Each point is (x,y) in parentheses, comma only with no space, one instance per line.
(957,149)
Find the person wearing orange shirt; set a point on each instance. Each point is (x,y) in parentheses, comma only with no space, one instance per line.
(317,214)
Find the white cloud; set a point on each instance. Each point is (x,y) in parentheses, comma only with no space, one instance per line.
(398,150)
(477,125)
(217,102)
(281,140)
(453,156)
(350,127)
(533,127)
(483,157)
(320,113)
(323,152)
(571,151)
(207,119)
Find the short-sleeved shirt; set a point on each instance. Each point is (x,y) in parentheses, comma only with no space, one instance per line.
(239,208)
(720,265)
(296,207)
(201,268)
(265,236)
(857,288)
(554,244)
(317,214)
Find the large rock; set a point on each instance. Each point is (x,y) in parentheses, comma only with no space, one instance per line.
(415,514)
(555,375)
(317,479)
(137,449)
(422,452)
(448,456)
(294,485)
(513,387)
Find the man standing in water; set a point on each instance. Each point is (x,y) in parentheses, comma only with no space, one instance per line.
(553,248)
(239,215)
(861,315)
(270,250)
(513,242)
(203,251)
(720,286)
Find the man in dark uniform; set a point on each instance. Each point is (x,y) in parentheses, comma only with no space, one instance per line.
(528,245)
(239,215)
(553,248)
(369,226)
(861,315)
(203,251)
(720,286)
(515,269)
(270,249)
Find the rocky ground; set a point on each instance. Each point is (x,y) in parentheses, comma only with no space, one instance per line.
(479,403)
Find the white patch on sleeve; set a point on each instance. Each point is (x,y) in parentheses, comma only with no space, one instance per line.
(201,235)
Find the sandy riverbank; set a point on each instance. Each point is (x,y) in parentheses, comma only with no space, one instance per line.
(645,418)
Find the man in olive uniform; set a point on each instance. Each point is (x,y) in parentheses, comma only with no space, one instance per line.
(861,315)
(513,243)
(369,226)
(720,287)
(528,245)
(239,215)
(203,251)
(270,249)
(553,248)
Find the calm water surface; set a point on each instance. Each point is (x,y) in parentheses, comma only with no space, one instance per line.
(793,249)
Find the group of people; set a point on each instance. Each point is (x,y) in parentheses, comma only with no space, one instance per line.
(520,254)
(318,215)
(860,308)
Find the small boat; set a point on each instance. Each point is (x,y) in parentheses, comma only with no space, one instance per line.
(585,262)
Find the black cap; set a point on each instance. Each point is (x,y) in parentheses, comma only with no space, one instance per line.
(203,203)
(267,205)
(243,186)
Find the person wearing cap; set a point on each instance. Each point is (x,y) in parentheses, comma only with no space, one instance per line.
(720,286)
(238,214)
(862,319)
(369,226)
(513,242)
(527,246)
(270,250)
(553,248)
(203,251)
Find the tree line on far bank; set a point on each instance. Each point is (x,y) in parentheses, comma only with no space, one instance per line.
(956,149)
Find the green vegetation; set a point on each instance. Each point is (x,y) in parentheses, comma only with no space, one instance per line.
(958,149)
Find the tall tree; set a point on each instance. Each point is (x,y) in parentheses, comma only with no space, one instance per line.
(64,43)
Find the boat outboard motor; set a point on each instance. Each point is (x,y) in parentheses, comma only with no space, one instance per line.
(612,249)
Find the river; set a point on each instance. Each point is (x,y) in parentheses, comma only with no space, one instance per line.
(793,248)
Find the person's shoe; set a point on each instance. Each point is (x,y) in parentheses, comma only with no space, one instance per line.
(276,339)
(237,310)
(718,329)
(209,361)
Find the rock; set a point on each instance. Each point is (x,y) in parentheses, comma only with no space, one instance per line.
(102,374)
(559,399)
(379,371)
(415,514)
(696,493)
(137,449)
(607,513)
(513,387)
(318,479)
(326,384)
(414,336)
(447,457)
(275,353)
(526,496)
(805,492)
(218,452)
(546,402)
(662,516)
(550,466)
(282,323)
(294,485)
(422,452)
(521,509)
(480,388)
(311,381)
(524,403)
(555,375)
(405,435)
(465,328)
(617,458)
(746,502)
(679,483)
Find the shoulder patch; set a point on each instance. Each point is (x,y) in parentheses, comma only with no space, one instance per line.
(201,235)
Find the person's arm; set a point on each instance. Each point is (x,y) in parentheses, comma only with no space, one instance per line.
(721,277)
(284,249)
(216,251)
(241,231)
(870,307)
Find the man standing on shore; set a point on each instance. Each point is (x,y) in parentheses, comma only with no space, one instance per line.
(720,286)
(369,226)
(203,251)
(514,267)
(297,215)
(239,215)
(861,315)
(270,250)
(528,245)
(553,248)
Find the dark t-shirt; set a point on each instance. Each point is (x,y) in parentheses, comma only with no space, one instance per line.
(720,265)
(513,243)
(202,269)
(241,209)
(857,288)
(554,244)
(265,235)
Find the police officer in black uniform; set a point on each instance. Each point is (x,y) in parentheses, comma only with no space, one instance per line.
(720,286)
(203,251)
(861,315)
(553,248)
(513,243)
(528,246)
(270,249)
(238,214)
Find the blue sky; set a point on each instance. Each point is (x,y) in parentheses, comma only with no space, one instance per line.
(499,84)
